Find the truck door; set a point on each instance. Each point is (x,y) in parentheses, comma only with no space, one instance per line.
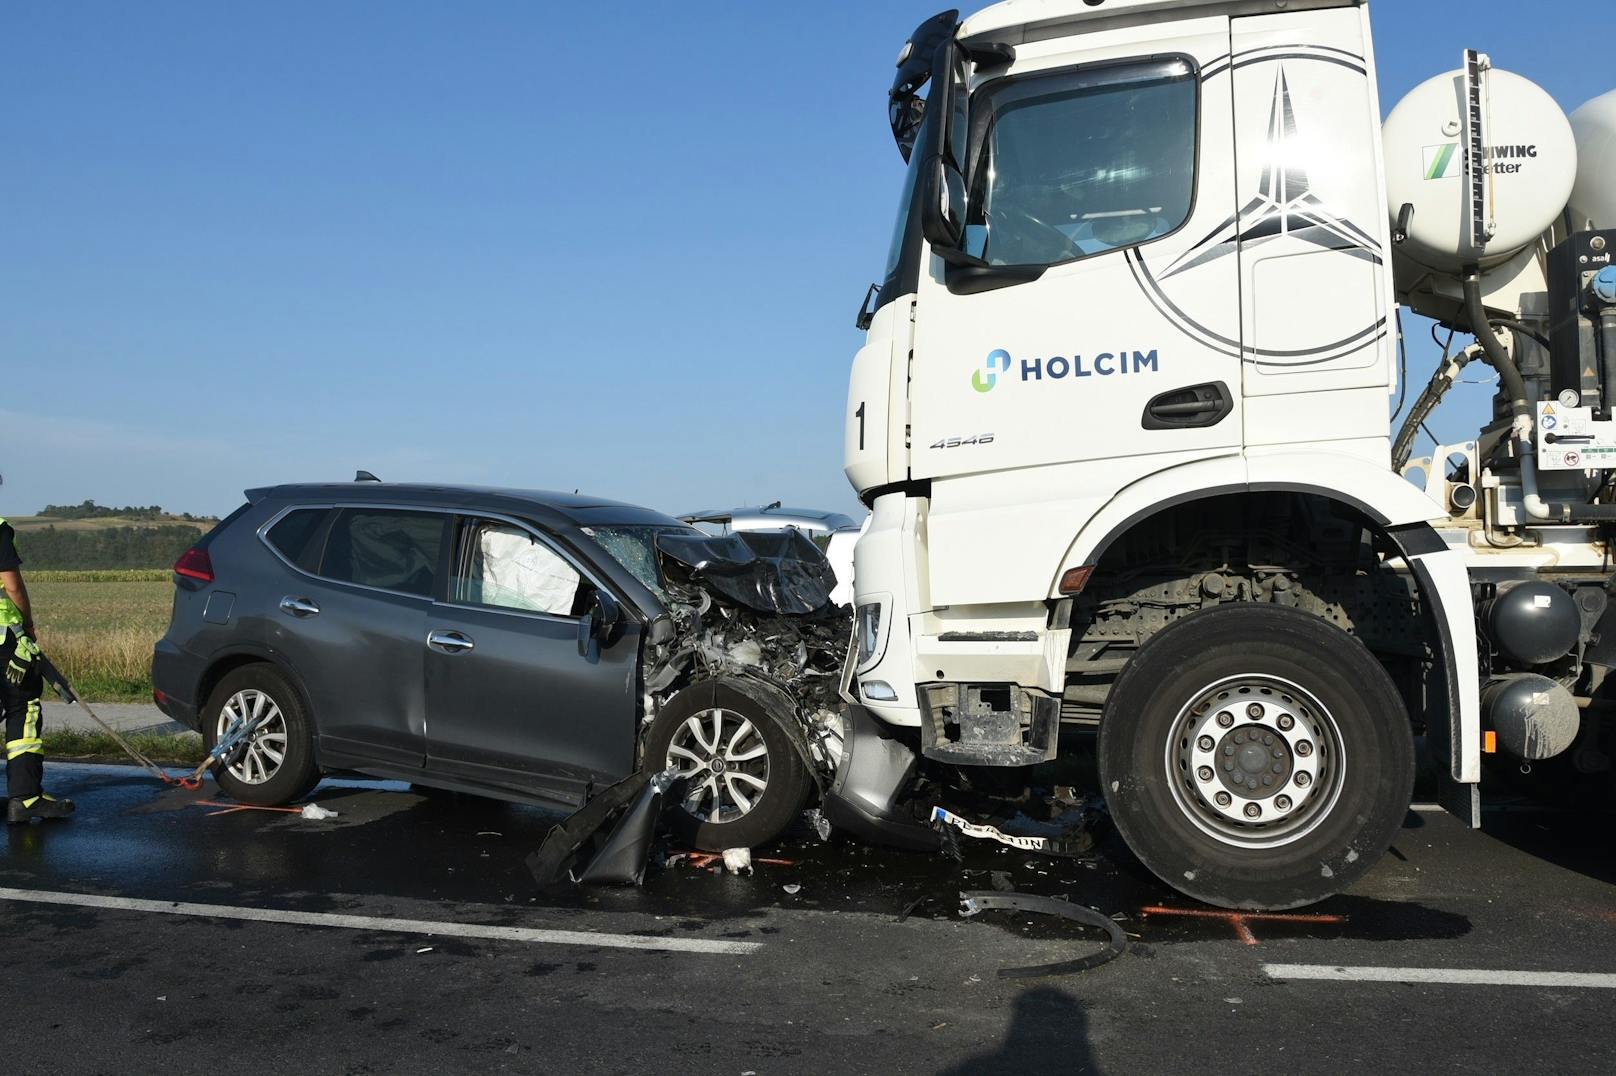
(1104,165)
(1313,229)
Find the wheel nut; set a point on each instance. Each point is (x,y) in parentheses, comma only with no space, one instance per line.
(1253,811)
(1304,748)
(1254,710)
(1268,740)
(1283,803)
(1225,719)
(1223,799)
(1286,722)
(1204,743)
(1303,779)
(1204,773)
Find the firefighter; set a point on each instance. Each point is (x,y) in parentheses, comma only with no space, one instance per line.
(21,686)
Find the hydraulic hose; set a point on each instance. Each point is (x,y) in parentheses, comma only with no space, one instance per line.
(1509,375)
(1522,329)
(1441,381)
(1511,382)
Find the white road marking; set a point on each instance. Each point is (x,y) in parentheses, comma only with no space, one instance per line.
(1450,976)
(531,935)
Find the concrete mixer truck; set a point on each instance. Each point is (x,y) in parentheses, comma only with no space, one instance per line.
(1121,418)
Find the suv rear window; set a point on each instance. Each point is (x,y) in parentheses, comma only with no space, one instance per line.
(389,550)
(296,536)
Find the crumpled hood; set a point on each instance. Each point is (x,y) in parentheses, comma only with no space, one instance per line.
(775,572)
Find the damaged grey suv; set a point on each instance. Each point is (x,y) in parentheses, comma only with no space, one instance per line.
(535,647)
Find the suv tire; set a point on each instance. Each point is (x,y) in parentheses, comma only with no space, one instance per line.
(741,726)
(256,776)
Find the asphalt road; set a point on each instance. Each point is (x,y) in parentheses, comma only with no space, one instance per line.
(379,958)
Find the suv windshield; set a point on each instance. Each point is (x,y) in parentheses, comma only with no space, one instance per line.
(1080,161)
(634,548)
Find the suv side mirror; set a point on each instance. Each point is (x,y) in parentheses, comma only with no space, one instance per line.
(595,629)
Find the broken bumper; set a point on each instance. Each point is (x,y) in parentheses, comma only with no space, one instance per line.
(876,769)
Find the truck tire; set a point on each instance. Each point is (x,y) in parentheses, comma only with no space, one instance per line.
(758,763)
(1255,757)
(256,776)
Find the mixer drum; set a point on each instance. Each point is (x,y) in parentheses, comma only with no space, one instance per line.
(1531,161)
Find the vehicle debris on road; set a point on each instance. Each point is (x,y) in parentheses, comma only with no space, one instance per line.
(583,848)
(975,903)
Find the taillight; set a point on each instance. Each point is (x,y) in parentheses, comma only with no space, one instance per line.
(195,564)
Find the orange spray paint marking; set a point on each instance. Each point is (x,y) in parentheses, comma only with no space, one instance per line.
(1240,921)
(232,808)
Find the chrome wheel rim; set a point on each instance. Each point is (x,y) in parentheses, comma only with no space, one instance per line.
(1255,761)
(726,760)
(261,758)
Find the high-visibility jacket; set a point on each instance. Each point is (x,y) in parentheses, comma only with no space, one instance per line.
(10,615)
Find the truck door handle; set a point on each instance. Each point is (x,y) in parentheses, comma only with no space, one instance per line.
(1196,407)
(301,608)
(449,642)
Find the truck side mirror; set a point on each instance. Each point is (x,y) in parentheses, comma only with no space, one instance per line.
(905,108)
(943,147)
(942,214)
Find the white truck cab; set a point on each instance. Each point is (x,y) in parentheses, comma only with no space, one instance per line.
(1121,419)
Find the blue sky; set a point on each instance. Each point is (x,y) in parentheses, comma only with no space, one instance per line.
(609,246)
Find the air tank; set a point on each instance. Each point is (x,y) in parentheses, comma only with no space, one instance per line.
(1593,199)
(1531,161)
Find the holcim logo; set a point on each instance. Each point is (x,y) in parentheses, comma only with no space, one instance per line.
(1061,368)
(998,362)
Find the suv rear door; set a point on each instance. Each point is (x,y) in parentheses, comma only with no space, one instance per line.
(512,701)
(354,630)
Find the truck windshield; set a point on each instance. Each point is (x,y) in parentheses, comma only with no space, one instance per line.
(1077,162)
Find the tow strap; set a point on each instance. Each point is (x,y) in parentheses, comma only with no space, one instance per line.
(221,750)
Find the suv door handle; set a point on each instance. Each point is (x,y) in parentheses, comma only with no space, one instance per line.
(301,608)
(449,642)
(1196,407)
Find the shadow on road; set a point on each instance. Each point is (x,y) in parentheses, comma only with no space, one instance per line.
(1049,1032)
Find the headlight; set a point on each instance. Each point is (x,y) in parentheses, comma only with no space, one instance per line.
(869,631)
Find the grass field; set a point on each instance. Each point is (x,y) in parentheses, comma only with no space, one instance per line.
(99,628)
(75,745)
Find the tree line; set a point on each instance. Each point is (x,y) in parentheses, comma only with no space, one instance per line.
(91,510)
(49,548)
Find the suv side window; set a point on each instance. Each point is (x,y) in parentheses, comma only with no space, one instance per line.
(505,567)
(386,549)
(299,536)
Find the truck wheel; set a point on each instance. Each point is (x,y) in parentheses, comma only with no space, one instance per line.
(277,766)
(1254,756)
(747,780)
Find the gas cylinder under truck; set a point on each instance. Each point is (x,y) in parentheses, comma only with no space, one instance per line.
(1122,422)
